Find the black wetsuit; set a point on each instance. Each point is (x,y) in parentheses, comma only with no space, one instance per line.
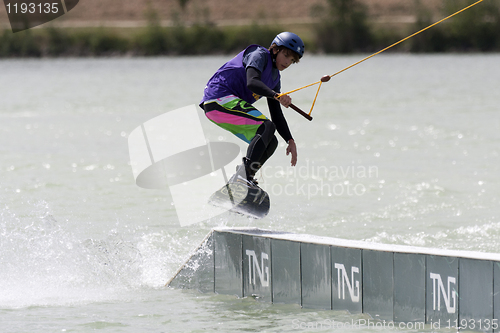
(265,142)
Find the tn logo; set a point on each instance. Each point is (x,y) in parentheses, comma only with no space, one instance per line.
(343,281)
(448,293)
(255,269)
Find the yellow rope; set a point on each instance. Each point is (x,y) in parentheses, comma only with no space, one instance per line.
(315,97)
(357,63)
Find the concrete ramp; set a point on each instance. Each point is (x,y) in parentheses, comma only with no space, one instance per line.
(389,282)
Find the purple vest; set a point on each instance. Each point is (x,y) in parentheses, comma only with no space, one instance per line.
(231,79)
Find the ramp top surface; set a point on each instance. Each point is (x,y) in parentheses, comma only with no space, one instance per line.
(359,244)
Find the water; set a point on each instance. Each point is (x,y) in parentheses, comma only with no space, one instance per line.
(403,149)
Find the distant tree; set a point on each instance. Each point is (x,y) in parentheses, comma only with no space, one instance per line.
(432,40)
(343,27)
(183,4)
(476,29)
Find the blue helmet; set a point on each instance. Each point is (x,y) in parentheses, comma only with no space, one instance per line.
(290,41)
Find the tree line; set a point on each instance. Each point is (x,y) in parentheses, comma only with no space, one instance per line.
(343,26)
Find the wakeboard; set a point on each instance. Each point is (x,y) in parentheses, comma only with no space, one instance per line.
(241,198)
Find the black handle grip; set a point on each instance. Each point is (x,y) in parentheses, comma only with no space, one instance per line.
(305,115)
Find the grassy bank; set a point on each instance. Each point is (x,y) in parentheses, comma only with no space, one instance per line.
(343,27)
(149,41)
